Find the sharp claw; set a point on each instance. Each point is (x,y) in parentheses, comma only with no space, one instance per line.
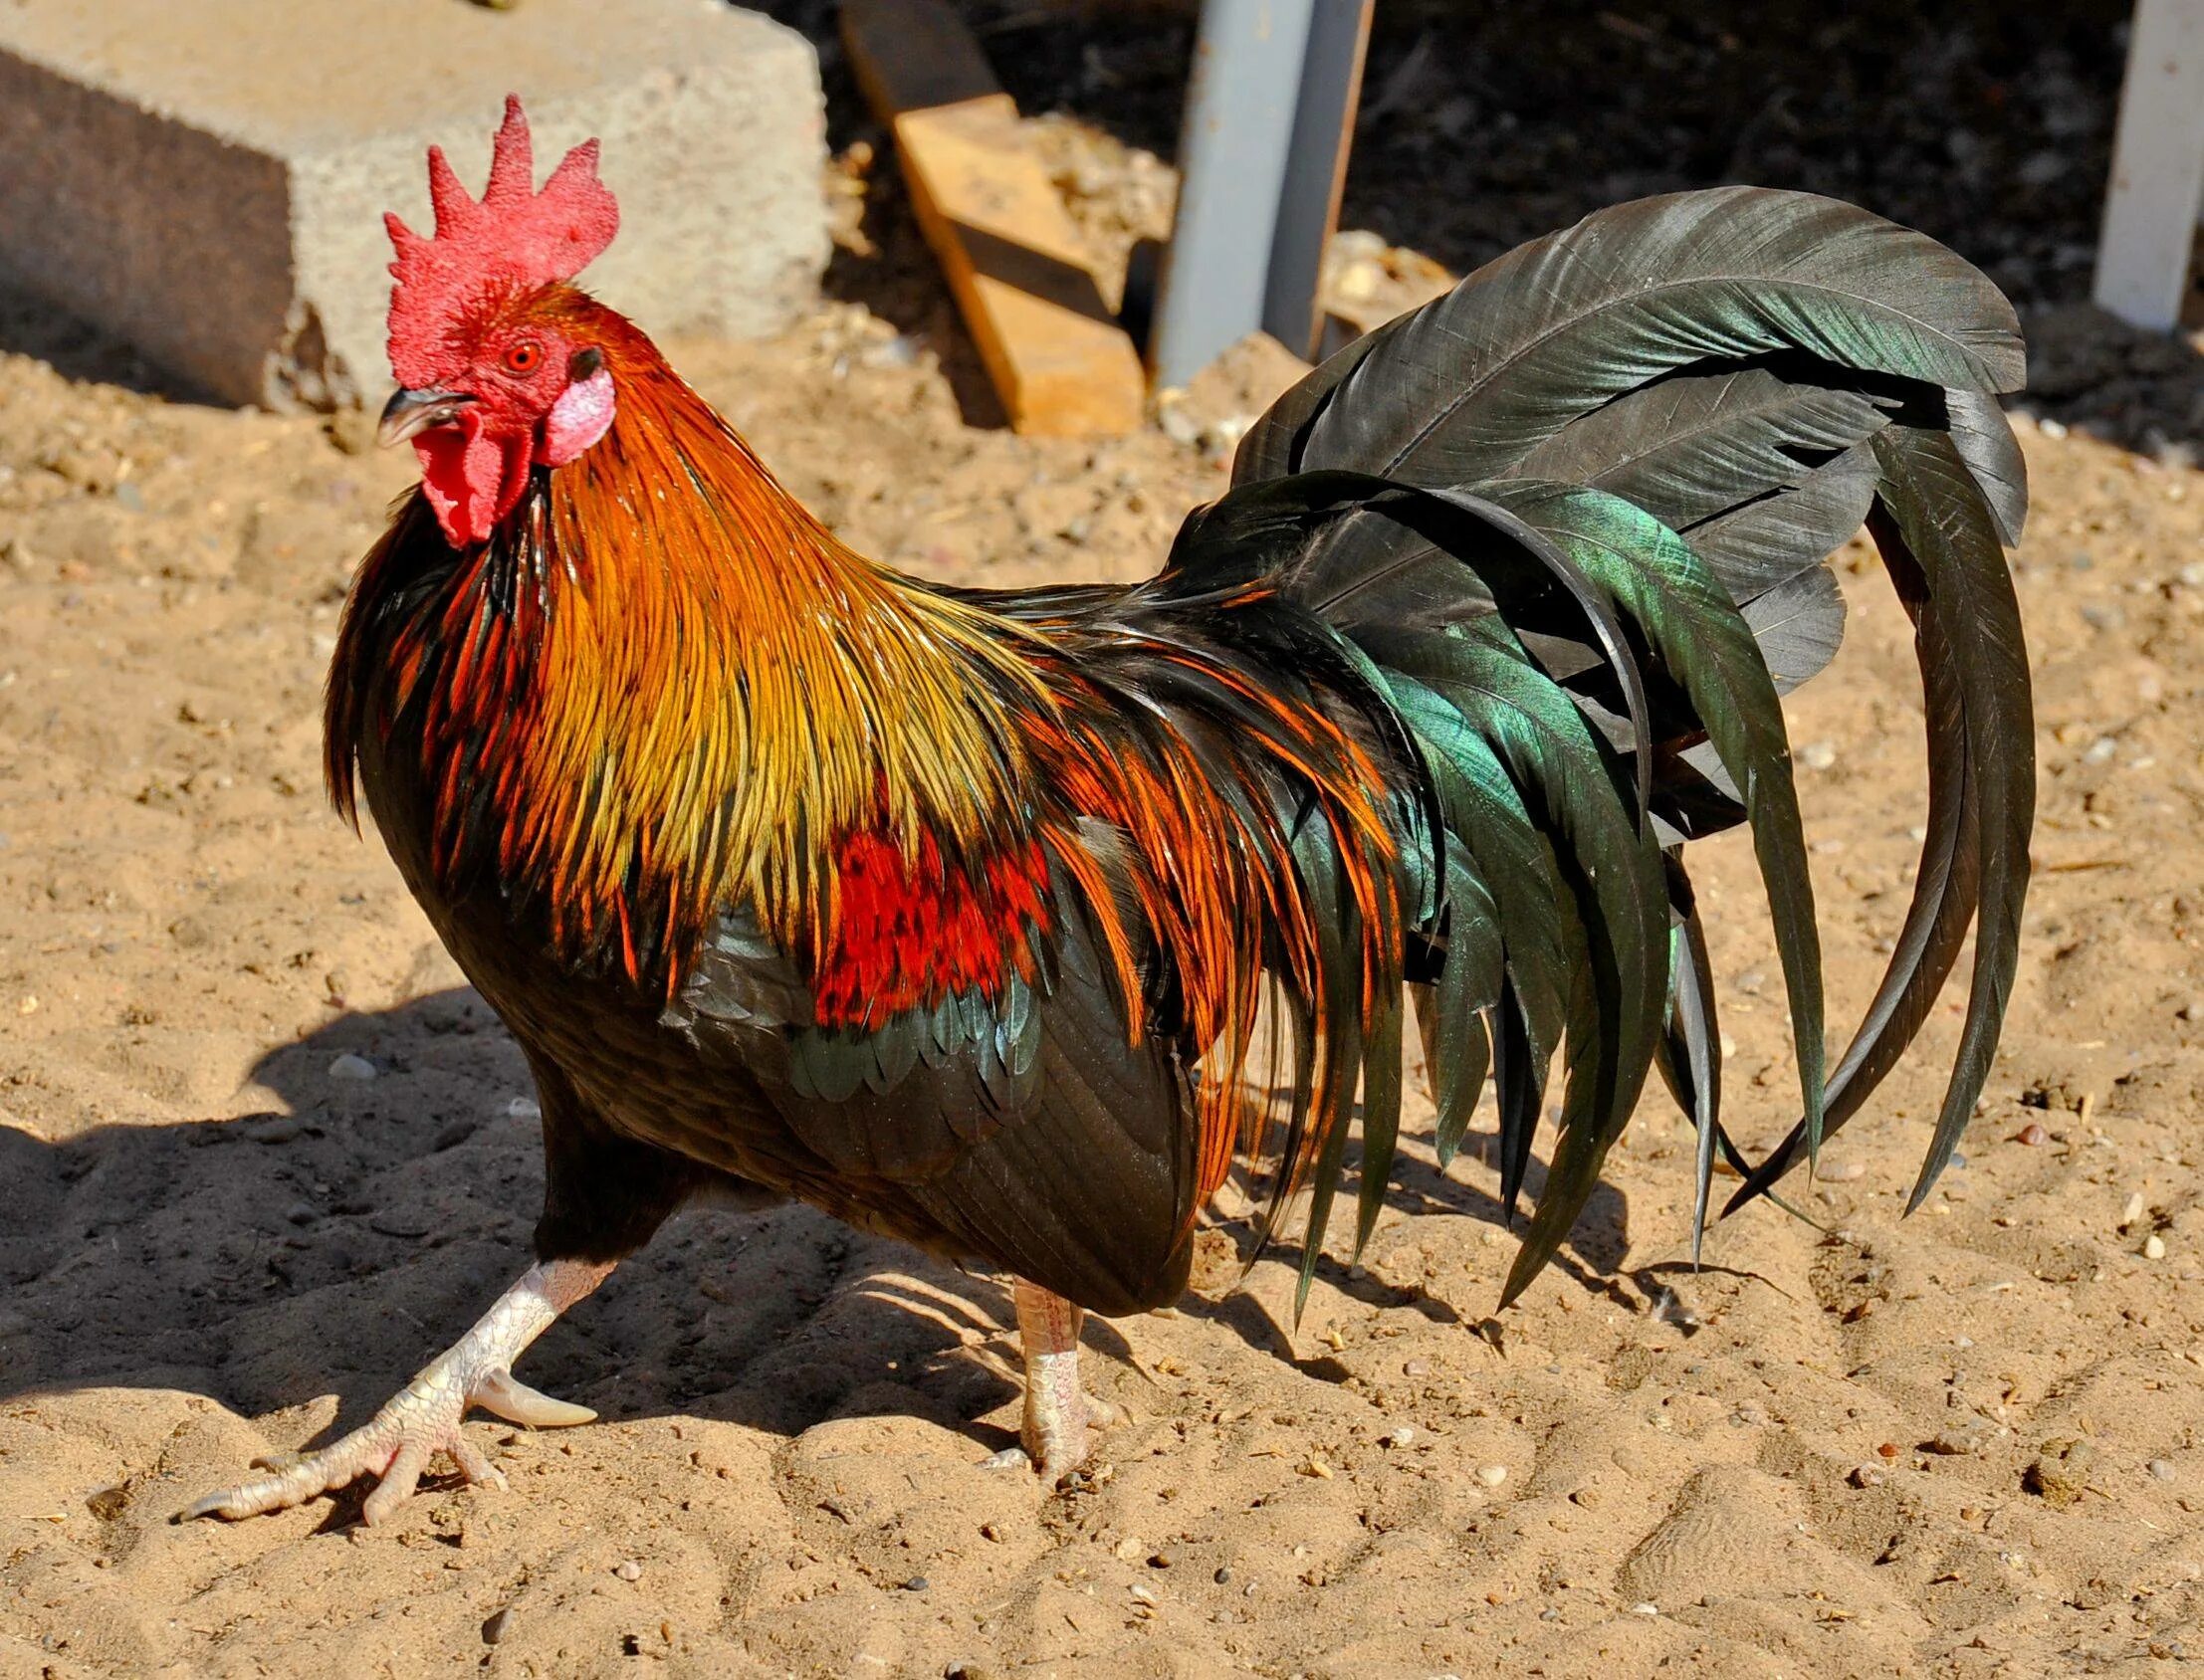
(517,1402)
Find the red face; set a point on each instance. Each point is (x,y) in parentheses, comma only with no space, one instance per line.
(521,391)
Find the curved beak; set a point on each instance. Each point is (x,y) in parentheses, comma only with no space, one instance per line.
(408,412)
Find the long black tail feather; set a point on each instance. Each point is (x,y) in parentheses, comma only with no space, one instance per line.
(1577,513)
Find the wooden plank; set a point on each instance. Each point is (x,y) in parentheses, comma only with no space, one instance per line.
(1015,261)
(2157,186)
(912,53)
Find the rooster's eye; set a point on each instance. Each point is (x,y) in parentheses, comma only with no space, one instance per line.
(523,357)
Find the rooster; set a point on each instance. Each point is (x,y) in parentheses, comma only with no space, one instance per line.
(1007,923)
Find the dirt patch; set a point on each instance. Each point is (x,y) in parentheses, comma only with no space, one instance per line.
(261,1153)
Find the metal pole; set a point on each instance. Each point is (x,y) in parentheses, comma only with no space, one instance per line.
(1316,169)
(2157,186)
(1233,145)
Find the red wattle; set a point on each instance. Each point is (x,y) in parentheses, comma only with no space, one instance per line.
(471,479)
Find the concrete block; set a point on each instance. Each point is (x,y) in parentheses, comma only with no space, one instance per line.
(206,178)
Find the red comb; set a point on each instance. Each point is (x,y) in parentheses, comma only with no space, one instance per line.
(515,238)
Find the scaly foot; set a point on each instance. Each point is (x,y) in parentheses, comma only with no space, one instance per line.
(1058,1412)
(424,1417)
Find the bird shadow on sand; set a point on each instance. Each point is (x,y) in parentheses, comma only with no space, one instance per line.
(334,1239)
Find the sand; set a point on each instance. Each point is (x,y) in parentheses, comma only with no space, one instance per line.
(1962,1443)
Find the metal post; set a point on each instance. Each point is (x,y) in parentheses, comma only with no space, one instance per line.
(1316,169)
(2157,186)
(1233,145)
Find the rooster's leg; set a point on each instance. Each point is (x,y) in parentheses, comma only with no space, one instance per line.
(1058,1412)
(424,1417)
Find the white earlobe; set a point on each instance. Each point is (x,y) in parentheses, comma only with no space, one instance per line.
(582,415)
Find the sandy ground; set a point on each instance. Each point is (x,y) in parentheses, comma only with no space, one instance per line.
(1962,1444)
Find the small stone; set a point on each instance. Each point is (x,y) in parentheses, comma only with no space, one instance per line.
(2161,1469)
(1141,1596)
(1960,1440)
(523,1108)
(2061,1474)
(1179,426)
(1397,1437)
(1491,1475)
(302,1213)
(2154,1247)
(495,1629)
(273,1129)
(1866,1476)
(627,1568)
(2133,1212)
(1587,1497)
(1818,754)
(1644,1610)
(1416,1367)
(452,1135)
(1223,1575)
(2032,1134)
(351,1067)
(1162,1559)
(1888,1449)
(917,1583)
(1840,1171)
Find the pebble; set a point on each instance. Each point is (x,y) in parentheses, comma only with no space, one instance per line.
(495,1629)
(1491,1475)
(302,1213)
(1416,1367)
(350,1066)
(1842,1171)
(2133,1212)
(2161,1469)
(523,1108)
(2154,1247)
(1866,1476)
(1397,1437)
(1818,754)
(1223,1575)
(2032,1134)
(452,1135)
(1959,1441)
(277,1128)
(917,1583)
(2062,1475)
(627,1568)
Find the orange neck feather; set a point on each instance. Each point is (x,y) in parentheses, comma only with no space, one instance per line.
(677,690)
